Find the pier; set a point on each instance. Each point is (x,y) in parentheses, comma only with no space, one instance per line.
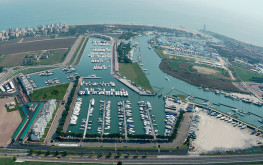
(91,77)
(124,119)
(87,120)
(103,118)
(150,119)
(132,87)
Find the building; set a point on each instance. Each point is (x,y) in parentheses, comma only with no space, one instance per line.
(45,55)
(25,84)
(44,118)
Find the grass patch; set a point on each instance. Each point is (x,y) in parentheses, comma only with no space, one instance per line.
(32,70)
(57,56)
(133,72)
(77,50)
(55,92)
(113,35)
(16,107)
(246,75)
(81,52)
(181,96)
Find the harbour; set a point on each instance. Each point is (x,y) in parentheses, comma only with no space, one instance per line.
(99,84)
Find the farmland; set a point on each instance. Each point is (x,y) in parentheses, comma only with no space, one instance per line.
(12,59)
(37,45)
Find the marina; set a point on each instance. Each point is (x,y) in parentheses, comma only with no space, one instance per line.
(119,94)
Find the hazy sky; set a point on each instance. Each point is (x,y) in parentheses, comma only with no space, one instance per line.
(240,19)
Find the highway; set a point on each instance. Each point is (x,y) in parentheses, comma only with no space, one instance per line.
(146,160)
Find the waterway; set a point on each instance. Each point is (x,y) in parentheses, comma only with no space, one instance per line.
(150,61)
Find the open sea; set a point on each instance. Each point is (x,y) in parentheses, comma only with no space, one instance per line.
(241,21)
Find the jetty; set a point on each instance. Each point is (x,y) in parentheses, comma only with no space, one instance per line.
(103,118)
(132,87)
(125,123)
(87,120)
(150,119)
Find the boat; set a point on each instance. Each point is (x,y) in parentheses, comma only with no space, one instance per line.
(258,103)
(92,101)
(260,120)
(247,101)
(166,78)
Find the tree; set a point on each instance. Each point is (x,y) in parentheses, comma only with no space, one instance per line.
(39,152)
(137,153)
(14,158)
(100,154)
(48,152)
(93,154)
(119,162)
(31,151)
(146,154)
(65,153)
(119,153)
(57,152)
(110,154)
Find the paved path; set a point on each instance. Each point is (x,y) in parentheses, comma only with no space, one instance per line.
(87,121)
(103,118)
(55,122)
(171,159)
(149,116)
(125,121)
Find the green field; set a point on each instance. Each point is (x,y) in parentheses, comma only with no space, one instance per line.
(32,70)
(77,50)
(55,92)
(57,56)
(246,75)
(81,52)
(133,72)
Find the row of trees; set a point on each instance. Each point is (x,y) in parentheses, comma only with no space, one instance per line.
(48,152)
(59,130)
(65,153)
(123,50)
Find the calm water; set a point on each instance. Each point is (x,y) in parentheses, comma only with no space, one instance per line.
(151,62)
(237,21)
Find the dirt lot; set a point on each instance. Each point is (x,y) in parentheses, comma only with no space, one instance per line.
(204,70)
(9,121)
(13,59)
(37,45)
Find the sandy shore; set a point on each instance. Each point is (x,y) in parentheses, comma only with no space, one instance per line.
(216,134)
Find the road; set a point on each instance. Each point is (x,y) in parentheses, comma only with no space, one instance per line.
(149,160)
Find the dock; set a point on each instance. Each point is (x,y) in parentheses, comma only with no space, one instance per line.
(153,132)
(103,118)
(125,123)
(87,120)
(91,77)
